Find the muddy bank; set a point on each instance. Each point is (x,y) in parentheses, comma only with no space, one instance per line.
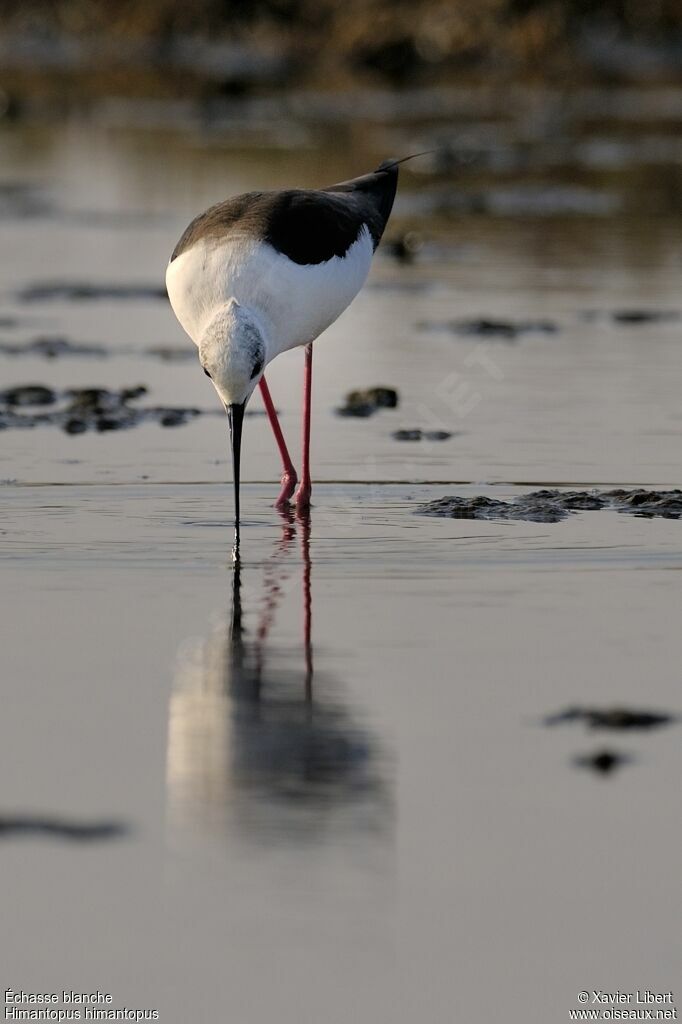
(365,403)
(486,327)
(616,718)
(634,317)
(234,48)
(19,199)
(491,328)
(87,291)
(550,506)
(606,760)
(53,827)
(58,346)
(417,434)
(52,347)
(79,410)
(603,762)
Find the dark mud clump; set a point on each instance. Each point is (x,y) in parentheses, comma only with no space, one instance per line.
(616,718)
(366,403)
(172,353)
(635,317)
(484,327)
(603,762)
(21,200)
(54,347)
(648,504)
(51,348)
(537,507)
(83,291)
(79,410)
(405,247)
(27,395)
(421,435)
(550,506)
(60,828)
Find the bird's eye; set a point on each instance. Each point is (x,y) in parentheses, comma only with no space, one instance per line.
(257,368)
(207,373)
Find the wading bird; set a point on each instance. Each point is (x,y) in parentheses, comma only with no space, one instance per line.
(265,272)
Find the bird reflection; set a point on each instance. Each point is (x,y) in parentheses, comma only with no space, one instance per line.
(257,745)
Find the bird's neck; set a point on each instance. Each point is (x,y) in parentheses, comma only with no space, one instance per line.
(265,326)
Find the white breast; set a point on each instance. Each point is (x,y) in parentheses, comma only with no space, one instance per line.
(296,302)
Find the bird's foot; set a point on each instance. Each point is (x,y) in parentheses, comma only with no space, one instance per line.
(289,480)
(302,496)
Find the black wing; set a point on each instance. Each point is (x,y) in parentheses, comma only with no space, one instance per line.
(306,225)
(310,226)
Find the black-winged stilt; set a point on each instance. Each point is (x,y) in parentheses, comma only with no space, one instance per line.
(265,272)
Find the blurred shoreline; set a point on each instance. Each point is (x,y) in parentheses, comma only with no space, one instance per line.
(76,52)
(530,108)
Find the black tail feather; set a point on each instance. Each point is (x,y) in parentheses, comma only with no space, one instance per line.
(375,193)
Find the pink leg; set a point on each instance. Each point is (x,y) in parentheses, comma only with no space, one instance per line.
(302,498)
(289,473)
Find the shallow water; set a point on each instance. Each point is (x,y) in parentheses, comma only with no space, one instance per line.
(337,795)
(400,805)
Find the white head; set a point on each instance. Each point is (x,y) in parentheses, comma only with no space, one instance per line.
(232,351)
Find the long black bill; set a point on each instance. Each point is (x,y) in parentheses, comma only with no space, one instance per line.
(235,416)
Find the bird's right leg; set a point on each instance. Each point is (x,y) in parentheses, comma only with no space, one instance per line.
(289,477)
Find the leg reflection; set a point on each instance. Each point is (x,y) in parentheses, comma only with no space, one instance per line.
(304,519)
(252,749)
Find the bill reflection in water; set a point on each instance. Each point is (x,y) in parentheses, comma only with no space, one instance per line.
(258,746)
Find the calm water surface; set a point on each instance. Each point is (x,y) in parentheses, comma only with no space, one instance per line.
(339,796)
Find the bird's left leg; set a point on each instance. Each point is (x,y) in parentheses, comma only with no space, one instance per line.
(289,477)
(302,497)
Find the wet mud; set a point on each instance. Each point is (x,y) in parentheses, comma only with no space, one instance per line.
(603,762)
(27,826)
(365,403)
(616,718)
(78,410)
(510,330)
(28,395)
(20,199)
(422,435)
(485,327)
(84,291)
(551,506)
(57,346)
(172,353)
(50,347)
(405,248)
(634,317)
